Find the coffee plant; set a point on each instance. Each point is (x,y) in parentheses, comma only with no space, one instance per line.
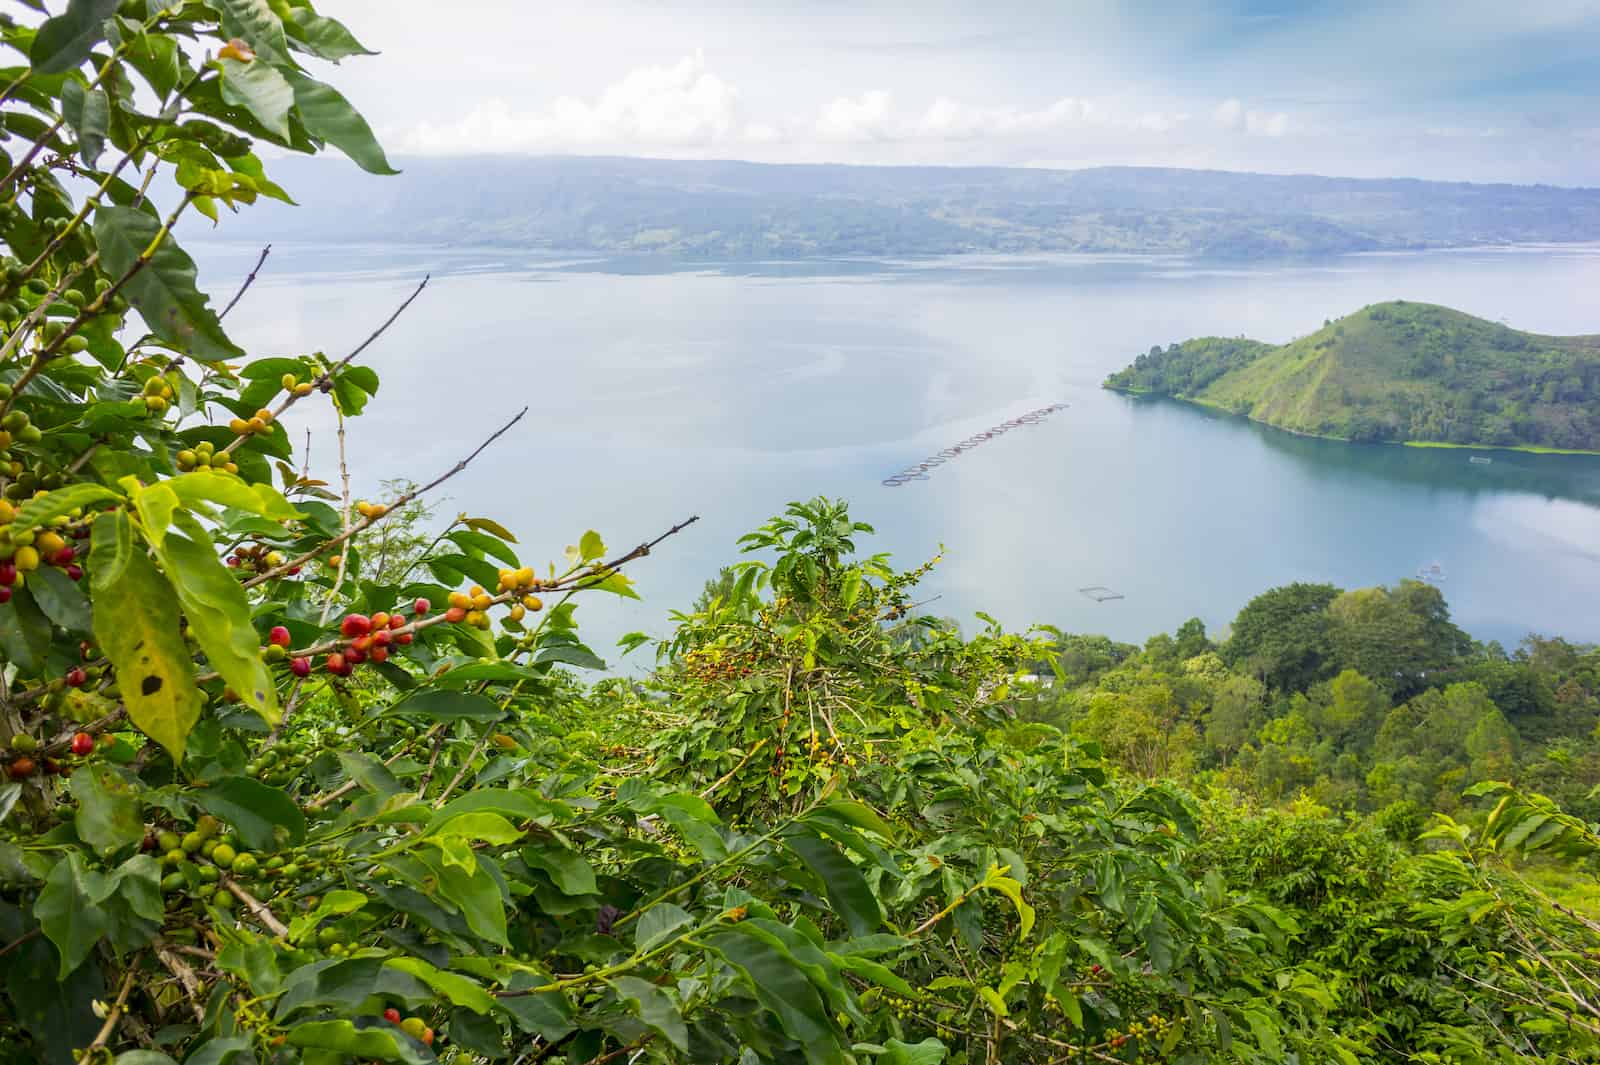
(281,787)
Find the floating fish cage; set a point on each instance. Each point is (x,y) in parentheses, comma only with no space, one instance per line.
(1432,573)
(1479,460)
(1100,594)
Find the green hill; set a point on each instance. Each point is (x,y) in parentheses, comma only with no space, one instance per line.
(1398,372)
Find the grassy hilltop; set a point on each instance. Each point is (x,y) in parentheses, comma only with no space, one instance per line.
(1399,372)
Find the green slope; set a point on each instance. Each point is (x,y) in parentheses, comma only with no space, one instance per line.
(1398,371)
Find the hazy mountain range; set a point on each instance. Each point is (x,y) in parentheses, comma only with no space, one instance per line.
(735,210)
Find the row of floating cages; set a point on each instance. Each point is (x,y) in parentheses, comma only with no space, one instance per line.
(1100,593)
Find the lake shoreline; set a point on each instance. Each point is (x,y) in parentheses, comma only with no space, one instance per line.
(1526,449)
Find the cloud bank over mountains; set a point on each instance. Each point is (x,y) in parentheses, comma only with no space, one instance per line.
(685,108)
(1477,90)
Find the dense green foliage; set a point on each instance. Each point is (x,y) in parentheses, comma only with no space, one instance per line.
(1395,372)
(287,784)
(734,210)
(1363,702)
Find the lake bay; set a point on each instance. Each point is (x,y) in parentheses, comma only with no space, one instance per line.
(726,390)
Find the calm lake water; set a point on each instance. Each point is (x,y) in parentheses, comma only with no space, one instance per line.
(660,392)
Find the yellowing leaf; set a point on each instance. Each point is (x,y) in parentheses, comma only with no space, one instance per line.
(156,505)
(219,615)
(136,625)
(490,526)
(481,825)
(1012,890)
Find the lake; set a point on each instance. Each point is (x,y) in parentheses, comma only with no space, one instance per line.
(662,391)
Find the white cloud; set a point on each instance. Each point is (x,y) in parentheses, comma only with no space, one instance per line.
(864,119)
(682,105)
(1232,115)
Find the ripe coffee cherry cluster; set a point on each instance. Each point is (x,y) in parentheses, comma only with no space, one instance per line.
(369,638)
(295,386)
(259,422)
(258,558)
(203,456)
(22,552)
(157,395)
(415,1027)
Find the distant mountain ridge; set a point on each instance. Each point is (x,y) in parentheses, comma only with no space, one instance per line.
(737,210)
(1398,371)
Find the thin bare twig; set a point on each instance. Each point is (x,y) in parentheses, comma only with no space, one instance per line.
(247,283)
(167,952)
(365,523)
(326,380)
(344,526)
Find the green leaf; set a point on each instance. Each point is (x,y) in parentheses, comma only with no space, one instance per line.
(489,545)
(67,912)
(324,38)
(136,625)
(219,615)
(521,805)
(328,116)
(109,816)
(443,705)
(569,870)
(928,1052)
(65,41)
(24,632)
(230,490)
(255,810)
(164,290)
(335,903)
(46,508)
(262,90)
(261,29)
(88,112)
(591,547)
(779,984)
(655,1008)
(62,601)
(143,1057)
(847,890)
(690,815)
(570,654)
(658,924)
(383,1041)
(458,989)
(475,894)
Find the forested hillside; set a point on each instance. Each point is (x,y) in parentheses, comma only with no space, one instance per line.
(1394,372)
(736,210)
(293,777)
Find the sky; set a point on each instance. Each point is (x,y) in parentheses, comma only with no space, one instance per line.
(1476,90)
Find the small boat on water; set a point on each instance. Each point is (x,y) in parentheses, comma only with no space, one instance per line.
(1479,460)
